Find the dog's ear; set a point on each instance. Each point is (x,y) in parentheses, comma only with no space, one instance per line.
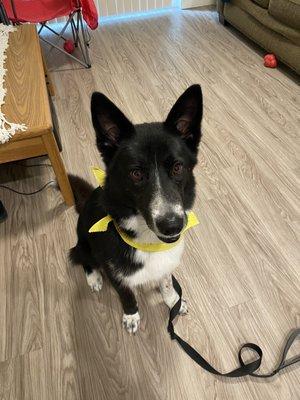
(185,117)
(110,124)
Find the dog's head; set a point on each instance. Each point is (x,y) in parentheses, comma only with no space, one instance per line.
(150,166)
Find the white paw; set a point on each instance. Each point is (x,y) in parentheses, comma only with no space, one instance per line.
(94,281)
(131,322)
(183,308)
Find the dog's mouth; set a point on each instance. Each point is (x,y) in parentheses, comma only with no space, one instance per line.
(169,239)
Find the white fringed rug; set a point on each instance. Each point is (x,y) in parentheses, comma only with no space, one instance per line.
(7,129)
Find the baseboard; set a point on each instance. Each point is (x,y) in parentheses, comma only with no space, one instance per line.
(196,3)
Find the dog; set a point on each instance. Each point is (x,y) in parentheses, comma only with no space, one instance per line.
(148,191)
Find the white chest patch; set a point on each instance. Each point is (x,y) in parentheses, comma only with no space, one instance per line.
(156,265)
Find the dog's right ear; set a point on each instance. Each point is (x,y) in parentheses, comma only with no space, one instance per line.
(110,124)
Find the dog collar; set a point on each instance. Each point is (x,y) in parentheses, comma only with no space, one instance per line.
(102,225)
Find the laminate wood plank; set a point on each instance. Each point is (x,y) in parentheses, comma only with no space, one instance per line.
(21,287)
(245,152)
(60,355)
(23,377)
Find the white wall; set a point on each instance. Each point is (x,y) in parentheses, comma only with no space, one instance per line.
(117,7)
(196,3)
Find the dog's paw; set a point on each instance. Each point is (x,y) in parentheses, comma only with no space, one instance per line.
(183,308)
(95,281)
(131,322)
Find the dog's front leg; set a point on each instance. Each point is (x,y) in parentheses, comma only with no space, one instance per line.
(131,317)
(170,295)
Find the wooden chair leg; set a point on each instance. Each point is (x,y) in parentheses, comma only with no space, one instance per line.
(58,167)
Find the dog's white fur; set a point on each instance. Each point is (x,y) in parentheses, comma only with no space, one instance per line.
(131,322)
(159,205)
(170,295)
(94,280)
(156,265)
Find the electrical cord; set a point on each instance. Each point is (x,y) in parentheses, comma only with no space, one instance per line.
(36,191)
(28,193)
(31,165)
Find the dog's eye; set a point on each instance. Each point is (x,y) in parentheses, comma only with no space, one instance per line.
(136,175)
(177,168)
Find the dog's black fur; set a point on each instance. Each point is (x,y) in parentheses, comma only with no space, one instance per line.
(130,154)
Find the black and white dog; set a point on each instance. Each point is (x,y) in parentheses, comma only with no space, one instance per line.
(148,191)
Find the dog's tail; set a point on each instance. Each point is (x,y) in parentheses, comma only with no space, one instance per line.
(81,190)
(80,254)
(75,256)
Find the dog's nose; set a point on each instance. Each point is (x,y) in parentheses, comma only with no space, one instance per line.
(170,224)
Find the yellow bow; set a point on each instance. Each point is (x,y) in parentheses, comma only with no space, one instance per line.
(99,175)
(102,225)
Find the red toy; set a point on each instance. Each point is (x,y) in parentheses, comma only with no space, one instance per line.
(69,46)
(270,61)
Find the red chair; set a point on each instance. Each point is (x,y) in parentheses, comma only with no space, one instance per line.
(43,11)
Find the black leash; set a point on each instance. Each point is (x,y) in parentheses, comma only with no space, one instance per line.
(245,368)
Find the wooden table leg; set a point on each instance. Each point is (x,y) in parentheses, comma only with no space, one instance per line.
(58,167)
(49,82)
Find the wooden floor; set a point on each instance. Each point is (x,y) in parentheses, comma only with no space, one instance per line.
(240,272)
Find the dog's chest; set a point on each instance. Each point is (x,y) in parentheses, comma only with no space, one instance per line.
(156,265)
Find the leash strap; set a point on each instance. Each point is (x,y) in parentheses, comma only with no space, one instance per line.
(245,369)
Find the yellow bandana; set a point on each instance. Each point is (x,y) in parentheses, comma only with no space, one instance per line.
(102,225)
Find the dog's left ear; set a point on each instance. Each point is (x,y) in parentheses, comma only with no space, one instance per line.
(185,117)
